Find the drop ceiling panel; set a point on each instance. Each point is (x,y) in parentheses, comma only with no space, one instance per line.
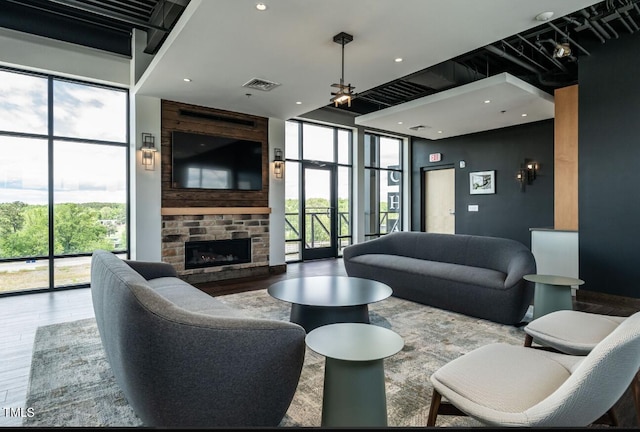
(462,110)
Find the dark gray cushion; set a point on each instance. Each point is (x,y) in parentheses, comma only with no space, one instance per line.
(183,295)
(465,274)
(152,270)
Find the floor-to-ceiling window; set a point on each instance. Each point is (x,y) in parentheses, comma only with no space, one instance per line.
(318,188)
(63,179)
(383,200)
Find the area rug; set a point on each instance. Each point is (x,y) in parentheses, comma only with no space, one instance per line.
(71,384)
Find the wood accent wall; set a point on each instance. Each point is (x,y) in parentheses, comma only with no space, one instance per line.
(566,159)
(237,127)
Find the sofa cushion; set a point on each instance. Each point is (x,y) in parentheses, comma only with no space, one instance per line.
(184,295)
(455,272)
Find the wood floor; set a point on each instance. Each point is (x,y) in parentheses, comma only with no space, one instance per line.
(20,316)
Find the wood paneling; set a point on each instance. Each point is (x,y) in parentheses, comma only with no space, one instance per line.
(566,159)
(222,123)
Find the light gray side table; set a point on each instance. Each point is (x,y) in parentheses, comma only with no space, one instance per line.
(354,391)
(552,293)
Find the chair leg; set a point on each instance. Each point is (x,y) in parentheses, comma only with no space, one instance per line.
(433,409)
(635,386)
(613,417)
(609,418)
(528,340)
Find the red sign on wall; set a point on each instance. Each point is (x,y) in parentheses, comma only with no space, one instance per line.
(435,157)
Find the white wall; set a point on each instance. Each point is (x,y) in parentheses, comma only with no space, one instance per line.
(145,198)
(146,186)
(40,54)
(276,196)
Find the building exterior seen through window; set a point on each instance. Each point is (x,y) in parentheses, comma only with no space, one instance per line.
(382,185)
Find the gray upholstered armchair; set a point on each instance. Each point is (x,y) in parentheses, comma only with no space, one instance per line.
(184,359)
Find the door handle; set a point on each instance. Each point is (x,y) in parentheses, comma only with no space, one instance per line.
(452,212)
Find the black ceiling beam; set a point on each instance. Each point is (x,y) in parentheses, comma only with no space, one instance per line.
(413,87)
(373,100)
(34,19)
(126,8)
(166,12)
(544,54)
(74,4)
(529,59)
(397,89)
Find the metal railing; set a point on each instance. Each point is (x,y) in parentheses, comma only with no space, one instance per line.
(291,222)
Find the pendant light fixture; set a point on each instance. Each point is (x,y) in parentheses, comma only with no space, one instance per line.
(344,92)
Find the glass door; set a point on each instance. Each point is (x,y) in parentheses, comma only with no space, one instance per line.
(319,209)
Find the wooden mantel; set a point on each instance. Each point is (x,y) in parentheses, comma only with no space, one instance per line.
(178,211)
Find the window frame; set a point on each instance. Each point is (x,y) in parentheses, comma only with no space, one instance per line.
(51,138)
(374,140)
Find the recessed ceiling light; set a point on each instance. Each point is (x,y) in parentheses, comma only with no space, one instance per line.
(186,79)
(398,60)
(298,103)
(261,6)
(487,101)
(544,16)
(399,122)
(439,131)
(524,115)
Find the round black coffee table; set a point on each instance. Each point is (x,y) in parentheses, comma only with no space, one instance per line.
(321,300)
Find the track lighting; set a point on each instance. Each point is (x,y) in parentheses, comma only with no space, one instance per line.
(562,50)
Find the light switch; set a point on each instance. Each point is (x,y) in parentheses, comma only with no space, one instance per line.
(473,207)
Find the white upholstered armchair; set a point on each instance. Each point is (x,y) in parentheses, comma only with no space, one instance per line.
(506,385)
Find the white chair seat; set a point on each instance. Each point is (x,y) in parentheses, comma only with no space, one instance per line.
(572,332)
(497,383)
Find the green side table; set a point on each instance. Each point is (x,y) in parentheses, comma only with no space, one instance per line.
(552,293)
(354,391)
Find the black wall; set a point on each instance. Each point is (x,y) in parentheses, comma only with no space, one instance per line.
(508,213)
(609,159)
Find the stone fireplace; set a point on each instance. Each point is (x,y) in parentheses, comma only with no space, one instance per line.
(209,244)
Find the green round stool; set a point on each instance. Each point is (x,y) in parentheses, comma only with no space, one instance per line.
(354,391)
(552,293)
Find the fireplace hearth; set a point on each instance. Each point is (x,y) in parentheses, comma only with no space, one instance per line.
(212,253)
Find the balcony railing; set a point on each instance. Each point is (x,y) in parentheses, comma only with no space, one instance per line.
(318,225)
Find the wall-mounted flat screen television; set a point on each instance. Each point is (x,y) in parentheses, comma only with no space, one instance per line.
(215,162)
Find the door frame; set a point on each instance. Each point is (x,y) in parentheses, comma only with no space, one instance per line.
(326,252)
(423,192)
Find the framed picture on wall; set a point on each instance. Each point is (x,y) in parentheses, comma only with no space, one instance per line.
(482,182)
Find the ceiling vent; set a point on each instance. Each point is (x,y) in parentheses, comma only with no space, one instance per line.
(260,84)
(419,127)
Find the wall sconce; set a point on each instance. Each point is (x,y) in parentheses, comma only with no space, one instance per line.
(520,178)
(278,163)
(527,173)
(149,150)
(531,169)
